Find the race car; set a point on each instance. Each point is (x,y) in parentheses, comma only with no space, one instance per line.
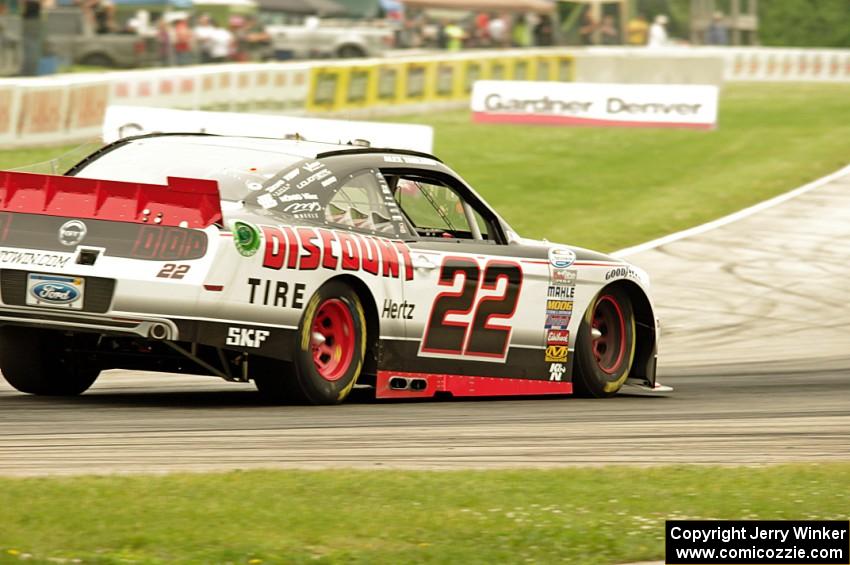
(307,268)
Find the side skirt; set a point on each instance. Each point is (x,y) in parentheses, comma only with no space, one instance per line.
(396,384)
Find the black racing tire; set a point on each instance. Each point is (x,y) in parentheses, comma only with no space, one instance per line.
(603,363)
(98,60)
(43,362)
(329,350)
(350,52)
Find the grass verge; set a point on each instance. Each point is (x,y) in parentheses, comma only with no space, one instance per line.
(603,515)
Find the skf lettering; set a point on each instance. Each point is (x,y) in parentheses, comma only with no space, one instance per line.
(394,310)
(561,292)
(559,305)
(307,249)
(276,293)
(556,353)
(246,337)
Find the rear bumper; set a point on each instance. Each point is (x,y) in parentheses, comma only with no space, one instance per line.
(139,326)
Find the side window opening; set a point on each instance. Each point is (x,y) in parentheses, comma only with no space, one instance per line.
(358,204)
(436,210)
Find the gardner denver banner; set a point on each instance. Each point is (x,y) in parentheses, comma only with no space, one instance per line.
(585,104)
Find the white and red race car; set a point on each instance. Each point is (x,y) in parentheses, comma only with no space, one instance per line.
(307,268)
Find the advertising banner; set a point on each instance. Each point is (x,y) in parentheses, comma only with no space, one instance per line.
(584,104)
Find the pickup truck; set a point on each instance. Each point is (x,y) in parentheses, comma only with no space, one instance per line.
(71,36)
(340,39)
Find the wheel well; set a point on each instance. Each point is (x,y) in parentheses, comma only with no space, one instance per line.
(645,347)
(370,363)
(354,48)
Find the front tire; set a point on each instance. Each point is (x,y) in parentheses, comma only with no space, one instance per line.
(605,348)
(329,351)
(44,362)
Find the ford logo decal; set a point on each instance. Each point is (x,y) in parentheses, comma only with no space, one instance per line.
(55,292)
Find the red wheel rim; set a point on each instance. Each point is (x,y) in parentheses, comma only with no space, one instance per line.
(609,347)
(332,339)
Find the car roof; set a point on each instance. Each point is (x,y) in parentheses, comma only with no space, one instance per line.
(297,147)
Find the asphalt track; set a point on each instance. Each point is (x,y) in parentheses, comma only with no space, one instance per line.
(756,343)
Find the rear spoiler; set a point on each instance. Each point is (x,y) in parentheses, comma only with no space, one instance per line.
(183,202)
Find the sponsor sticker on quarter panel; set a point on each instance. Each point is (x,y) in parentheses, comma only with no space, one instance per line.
(557,321)
(556,353)
(556,371)
(563,277)
(557,337)
(562,292)
(562,305)
(561,257)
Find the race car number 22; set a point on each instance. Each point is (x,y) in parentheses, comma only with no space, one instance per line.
(483,336)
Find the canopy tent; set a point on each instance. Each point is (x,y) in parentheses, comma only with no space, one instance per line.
(523,6)
(321,8)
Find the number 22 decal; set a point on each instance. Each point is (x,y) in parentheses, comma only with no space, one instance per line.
(480,338)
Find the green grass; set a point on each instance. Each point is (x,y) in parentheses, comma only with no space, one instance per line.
(608,515)
(610,188)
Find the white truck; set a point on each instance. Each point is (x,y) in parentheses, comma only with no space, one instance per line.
(330,38)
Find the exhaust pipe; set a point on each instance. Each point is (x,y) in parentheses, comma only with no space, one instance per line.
(399,383)
(158,331)
(403,383)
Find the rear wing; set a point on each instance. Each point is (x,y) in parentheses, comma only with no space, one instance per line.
(183,202)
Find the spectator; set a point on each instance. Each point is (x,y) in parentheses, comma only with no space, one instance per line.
(32,30)
(482,30)
(717,32)
(636,30)
(221,45)
(520,33)
(165,38)
(183,52)
(497,29)
(454,36)
(204,31)
(587,29)
(103,12)
(658,32)
(608,33)
(543,32)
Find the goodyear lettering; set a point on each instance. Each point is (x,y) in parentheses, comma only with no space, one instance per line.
(556,353)
(568,292)
(276,293)
(307,249)
(621,272)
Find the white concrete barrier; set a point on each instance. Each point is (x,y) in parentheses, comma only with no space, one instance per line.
(69,108)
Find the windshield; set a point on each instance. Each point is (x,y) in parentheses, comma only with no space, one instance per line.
(239,170)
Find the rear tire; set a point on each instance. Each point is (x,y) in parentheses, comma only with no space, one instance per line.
(44,362)
(329,350)
(603,362)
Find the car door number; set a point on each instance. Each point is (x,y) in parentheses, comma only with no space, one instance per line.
(483,336)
